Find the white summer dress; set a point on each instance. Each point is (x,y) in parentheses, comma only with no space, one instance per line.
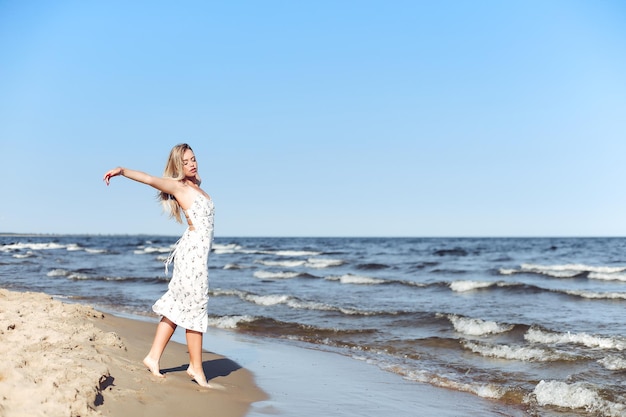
(186,300)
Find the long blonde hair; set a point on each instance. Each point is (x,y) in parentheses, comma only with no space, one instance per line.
(174,170)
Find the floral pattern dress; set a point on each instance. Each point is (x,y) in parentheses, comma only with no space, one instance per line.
(186,300)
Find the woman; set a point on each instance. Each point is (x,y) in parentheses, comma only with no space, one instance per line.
(185,302)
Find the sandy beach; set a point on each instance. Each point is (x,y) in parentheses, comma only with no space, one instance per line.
(71,360)
(65,359)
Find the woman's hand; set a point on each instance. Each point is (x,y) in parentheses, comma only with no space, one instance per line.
(113,173)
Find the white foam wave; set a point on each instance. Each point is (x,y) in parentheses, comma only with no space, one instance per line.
(65,273)
(320,263)
(576,395)
(484,390)
(31,246)
(295,303)
(217,292)
(292,302)
(477,327)
(557,271)
(78,276)
(229,322)
(577,267)
(275,275)
(90,250)
(518,353)
(235,266)
(295,253)
(284,264)
(608,276)
(152,249)
(598,295)
(58,273)
(505,271)
(267,300)
(613,363)
(229,248)
(464,286)
(356,279)
(539,336)
(571,270)
(316,263)
(70,247)
(115,278)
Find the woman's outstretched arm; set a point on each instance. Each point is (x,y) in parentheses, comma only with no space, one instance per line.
(166,185)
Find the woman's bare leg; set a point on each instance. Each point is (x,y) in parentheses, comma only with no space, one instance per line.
(165,330)
(195,371)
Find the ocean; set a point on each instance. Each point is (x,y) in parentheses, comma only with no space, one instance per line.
(538,324)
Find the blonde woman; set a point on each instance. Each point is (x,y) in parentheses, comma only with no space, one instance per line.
(185,302)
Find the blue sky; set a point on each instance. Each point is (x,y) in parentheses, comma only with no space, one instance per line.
(318,118)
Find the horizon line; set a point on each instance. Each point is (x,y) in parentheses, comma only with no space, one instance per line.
(5,234)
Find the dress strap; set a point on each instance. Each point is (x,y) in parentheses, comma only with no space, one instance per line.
(170,258)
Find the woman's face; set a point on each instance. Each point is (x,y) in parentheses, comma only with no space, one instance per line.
(190,166)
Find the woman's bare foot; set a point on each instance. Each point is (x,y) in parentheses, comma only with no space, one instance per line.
(153,367)
(201,380)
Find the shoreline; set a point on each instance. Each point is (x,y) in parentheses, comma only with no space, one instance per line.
(308,382)
(76,360)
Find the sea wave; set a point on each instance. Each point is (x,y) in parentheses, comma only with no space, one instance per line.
(570,271)
(229,322)
(319,263)
(599,342)
(83,276)
(491,391)
(607,276)
(68,274)
(519,353)
(289,300)
(508,271)
(293,253)
(44,246)
(284,329)
(147,250)
(477,327)
(95,251)
(276,275)
(597,295)
(316,263)
(284,264)
(229,248)
(234,248)
(613,362)
(578,395)
(235,266)
(468,285)
(356,279)
(32,246)
(464,286)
